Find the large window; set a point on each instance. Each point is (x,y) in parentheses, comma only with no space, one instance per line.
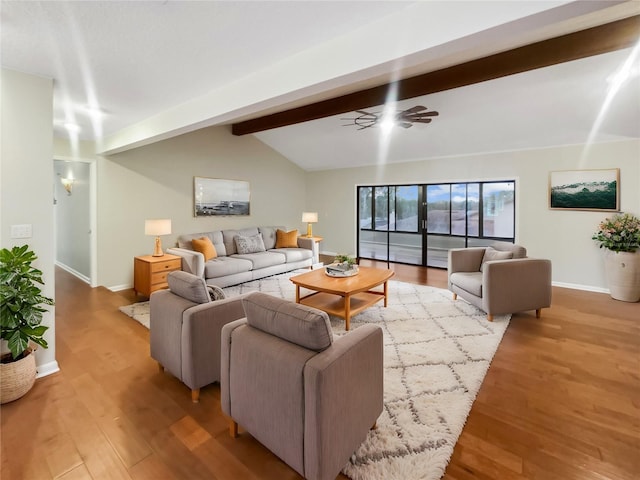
(418,224)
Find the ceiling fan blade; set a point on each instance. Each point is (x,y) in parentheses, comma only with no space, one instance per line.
(415,109)
(422,120)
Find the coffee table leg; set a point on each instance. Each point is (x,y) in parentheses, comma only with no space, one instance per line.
(297,293)
(347,312)
(386,291)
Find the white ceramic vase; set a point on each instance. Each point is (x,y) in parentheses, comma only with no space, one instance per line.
(623,275)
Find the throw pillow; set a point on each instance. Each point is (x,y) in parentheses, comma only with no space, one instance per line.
(216,293)
(493,254)
(252,244)
(286,239)
(205,247)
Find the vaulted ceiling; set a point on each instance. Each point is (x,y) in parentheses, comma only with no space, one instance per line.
(152,70)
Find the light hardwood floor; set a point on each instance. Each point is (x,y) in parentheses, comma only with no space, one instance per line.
(561,400)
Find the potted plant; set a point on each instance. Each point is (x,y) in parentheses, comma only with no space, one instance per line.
(21,310)
(620,236)
(345,260)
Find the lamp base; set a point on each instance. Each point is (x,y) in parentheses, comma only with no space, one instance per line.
(158,250)
(309,232)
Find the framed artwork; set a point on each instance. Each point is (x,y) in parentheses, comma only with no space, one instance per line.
(597,190)
(216,196)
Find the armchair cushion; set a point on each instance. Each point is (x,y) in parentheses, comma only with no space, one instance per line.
(299,324)
(493,254)
(189,286)
(469,281)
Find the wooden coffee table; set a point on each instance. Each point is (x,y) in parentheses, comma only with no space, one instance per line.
(345,296)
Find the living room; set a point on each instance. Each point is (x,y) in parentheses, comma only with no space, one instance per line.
(156,181)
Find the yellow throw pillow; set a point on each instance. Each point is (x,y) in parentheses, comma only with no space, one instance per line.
(286,239)
(205,247)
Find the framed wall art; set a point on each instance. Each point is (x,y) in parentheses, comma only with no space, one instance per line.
(216,196)
(597,190)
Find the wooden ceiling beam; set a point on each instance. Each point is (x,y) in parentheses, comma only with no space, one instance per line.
(585,43)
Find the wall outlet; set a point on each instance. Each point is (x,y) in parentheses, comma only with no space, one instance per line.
(21,231)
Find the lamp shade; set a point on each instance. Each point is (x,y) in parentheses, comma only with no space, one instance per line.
(310,217)
(157,226)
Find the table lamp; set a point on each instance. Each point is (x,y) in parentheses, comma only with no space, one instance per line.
(157,227)
(309,218)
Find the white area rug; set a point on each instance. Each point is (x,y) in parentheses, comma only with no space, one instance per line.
(436,354)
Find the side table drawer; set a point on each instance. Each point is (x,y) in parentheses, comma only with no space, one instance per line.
(167,266)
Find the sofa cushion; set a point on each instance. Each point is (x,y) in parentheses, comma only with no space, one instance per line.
(189,286)
(228,237)
(493,254)
(184,241)
(299,324)
(263,259)
(468,281)
(294,254)
(518,251)
(223,266)
(269,236)
(205,247)
(286,239)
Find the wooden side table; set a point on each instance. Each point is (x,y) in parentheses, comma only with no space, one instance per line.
(150,273)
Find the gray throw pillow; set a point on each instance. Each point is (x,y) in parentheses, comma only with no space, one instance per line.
(216,293)
(493,254)
(252,244)
(189,286)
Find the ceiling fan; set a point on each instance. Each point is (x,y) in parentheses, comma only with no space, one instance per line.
(402,118)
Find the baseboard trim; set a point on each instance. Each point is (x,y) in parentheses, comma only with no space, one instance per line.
(119,288)
(73,272)
(576,286)
(47,369)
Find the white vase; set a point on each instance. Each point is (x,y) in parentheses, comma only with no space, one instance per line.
(623,275)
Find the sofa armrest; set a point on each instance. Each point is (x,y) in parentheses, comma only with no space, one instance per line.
(343,399)
(201,332)
(192,261)
(306,242)
(516,285)
(225,351)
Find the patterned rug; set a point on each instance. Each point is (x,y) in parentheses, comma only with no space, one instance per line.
(436,354)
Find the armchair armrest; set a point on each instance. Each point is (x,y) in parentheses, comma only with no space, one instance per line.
(464,260)
(201,333)
(192,261)
(343,399)
(225,351)
(516,285)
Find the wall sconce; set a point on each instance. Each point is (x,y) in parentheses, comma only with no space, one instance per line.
(157,227)
(309,218)
(67,183)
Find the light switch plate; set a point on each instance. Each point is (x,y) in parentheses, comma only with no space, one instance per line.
(21,231)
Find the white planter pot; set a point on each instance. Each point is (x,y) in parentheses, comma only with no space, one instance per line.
(623,275)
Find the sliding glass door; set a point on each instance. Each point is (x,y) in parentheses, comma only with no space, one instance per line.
(418,224)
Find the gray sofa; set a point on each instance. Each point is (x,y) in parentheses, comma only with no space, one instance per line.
(232,268)
(309,398)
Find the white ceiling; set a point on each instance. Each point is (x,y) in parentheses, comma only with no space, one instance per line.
(158,69)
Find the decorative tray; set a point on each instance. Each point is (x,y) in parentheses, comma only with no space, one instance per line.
(334,270)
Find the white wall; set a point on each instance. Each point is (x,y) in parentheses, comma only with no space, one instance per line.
(156,181)
(26,196)
(72,217)
(562,236)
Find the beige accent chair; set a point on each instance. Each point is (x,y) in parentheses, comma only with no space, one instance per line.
(308,398)
(185,327)
(500,279)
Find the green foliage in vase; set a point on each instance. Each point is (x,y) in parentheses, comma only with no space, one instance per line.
(21,298)
(620,233)
(340,258)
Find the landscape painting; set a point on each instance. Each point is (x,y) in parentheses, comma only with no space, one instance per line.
(216,196)
(585,190)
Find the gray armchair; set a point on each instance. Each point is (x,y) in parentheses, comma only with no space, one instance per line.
(500,279)
(307,398)
(185,328)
